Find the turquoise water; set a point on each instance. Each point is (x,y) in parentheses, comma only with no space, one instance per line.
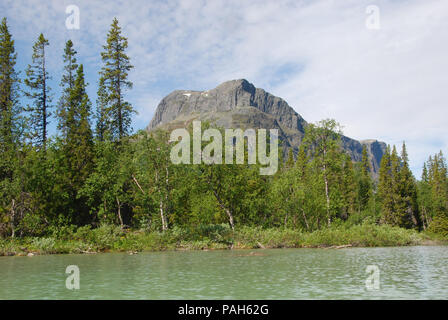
(404,273)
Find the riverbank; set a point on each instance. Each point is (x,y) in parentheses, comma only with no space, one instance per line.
(212,237)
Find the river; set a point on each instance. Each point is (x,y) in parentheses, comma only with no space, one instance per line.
(350,273)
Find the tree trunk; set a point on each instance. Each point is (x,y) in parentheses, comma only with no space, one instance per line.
(166,197)
(327,196)
(44,106)
(138,184)
(221,204)
(424,218)
(13,213)
(306,221)
(285,221)
(162,216)
(119,212)
(326,185)
(119,108)
(226,210)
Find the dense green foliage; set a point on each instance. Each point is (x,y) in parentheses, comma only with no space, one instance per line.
(397,190)
(87,189)
(433,190)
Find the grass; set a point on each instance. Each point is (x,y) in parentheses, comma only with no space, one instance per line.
(109,238)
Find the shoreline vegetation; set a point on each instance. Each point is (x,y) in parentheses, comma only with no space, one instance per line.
(95,185)
(110,238)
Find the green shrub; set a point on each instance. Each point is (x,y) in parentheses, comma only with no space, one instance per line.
(83,233)
(8,247)
(64,232)
(214,232)
(32,225)
(105,236)
(362,217)
(439,225)
(44,245)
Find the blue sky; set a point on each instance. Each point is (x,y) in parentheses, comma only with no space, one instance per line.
(388,84)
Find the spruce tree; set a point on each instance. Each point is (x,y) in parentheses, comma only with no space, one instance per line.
(79,133)
(102,129)
(434,194)
(398,191)
(408,191)
(290,161)
(424,197)
(9,107)
(439,184)
(385,187)
(67,84)
(39,92)
(365,164)
(11,197)
(397,209)
(114,77)
(78,147)
(365,187)
(302,162)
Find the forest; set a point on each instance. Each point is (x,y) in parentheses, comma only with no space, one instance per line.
(96,185)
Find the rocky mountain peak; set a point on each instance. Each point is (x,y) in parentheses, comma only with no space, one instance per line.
(239,104)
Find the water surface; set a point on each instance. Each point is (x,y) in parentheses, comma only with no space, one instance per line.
(405,273)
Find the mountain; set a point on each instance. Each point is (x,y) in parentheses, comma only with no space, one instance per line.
(238,104)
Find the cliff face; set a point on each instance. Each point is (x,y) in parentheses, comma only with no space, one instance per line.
(238,104)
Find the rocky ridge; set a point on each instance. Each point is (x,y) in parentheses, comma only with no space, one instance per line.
(239,104)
